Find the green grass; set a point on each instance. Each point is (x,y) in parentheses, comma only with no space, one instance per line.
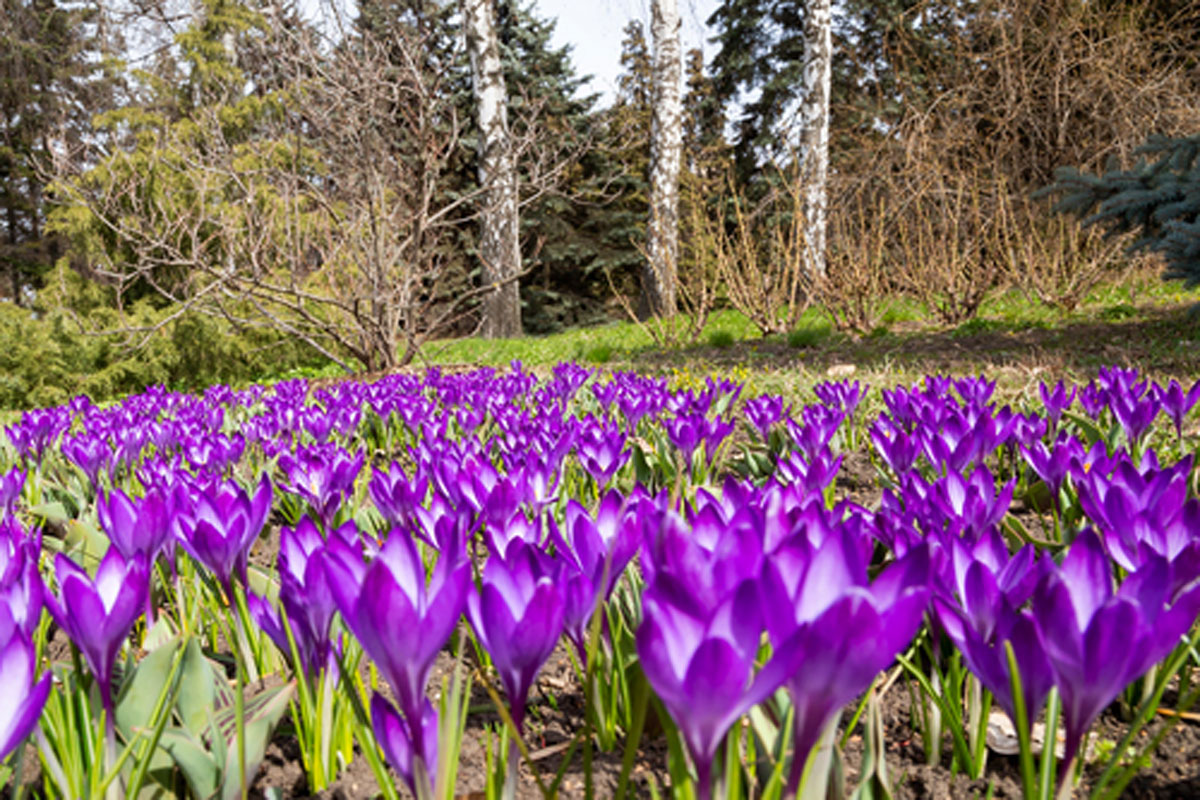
(809,335)
(599,344)
(1138,314)
(721,339)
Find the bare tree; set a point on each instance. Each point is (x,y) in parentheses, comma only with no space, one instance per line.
(499,234)
(666,147)
(329,222)
(814,128)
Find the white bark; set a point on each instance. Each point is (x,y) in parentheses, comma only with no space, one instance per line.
(666,148)
(814,128)
(499,244)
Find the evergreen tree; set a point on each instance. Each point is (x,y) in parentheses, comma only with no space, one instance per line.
(615,215)
(759,64)
(1159,199)
(53,77)
(549,104)
(705,150)
(889,56)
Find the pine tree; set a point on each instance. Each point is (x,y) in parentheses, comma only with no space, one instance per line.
(549,104)
(53,77)
(759,62)
(705,150)
(615,222)
(1159,199)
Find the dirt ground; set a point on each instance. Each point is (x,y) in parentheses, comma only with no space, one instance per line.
(1174,774)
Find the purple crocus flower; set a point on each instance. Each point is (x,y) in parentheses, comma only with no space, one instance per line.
(966,506)
(816,430)
(1053,464)
(1141,512)
(602,452)
(1094,459)
(1093,400)
(902,404)
(393,734)
(25,697)
(323,475)
(590,546)
(571,376)
(1028,429)
(700,662)
(897,448)
(1121,379)
(21,588)
(813,475)
(305,594)
(981,611)
(1056,400)
(1135,414)
(975,390)
(715,431)
(98,614)
(400,621)
(11,484)
(833,629)
(142,525)
(37,431)
(686,432)
(518,616)
(90,453)
(763,412)
(395,495)
(843,396)
(442,527)
(1098,640)
(221,526)
(606,393)
(1177,403)
(633,406)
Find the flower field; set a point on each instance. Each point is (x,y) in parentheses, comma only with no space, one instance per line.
(690,551)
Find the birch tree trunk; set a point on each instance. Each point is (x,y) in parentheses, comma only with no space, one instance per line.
(814,129)
(499,244)
(666,146)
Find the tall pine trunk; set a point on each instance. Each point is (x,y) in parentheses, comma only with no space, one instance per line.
(814,129)
(666,147)
(499,244)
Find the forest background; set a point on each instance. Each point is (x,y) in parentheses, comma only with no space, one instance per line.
(223,191)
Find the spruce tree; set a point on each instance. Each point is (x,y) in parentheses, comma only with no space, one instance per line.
(615,218)
(549,102)
(53,78)
(759,62)
(1158,199)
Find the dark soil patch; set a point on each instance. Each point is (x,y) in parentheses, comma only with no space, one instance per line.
(1175,772)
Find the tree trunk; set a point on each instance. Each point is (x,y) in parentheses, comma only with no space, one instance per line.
(666,146)
(499,245)
(814,129)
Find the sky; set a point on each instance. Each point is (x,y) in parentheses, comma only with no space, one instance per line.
(593,29)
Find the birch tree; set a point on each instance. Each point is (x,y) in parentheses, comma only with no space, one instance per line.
(666,146)
(814,129)
(499,244)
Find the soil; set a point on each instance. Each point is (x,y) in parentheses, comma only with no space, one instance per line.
(1174,773)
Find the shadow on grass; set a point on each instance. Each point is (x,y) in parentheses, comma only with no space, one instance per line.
(1164,341)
